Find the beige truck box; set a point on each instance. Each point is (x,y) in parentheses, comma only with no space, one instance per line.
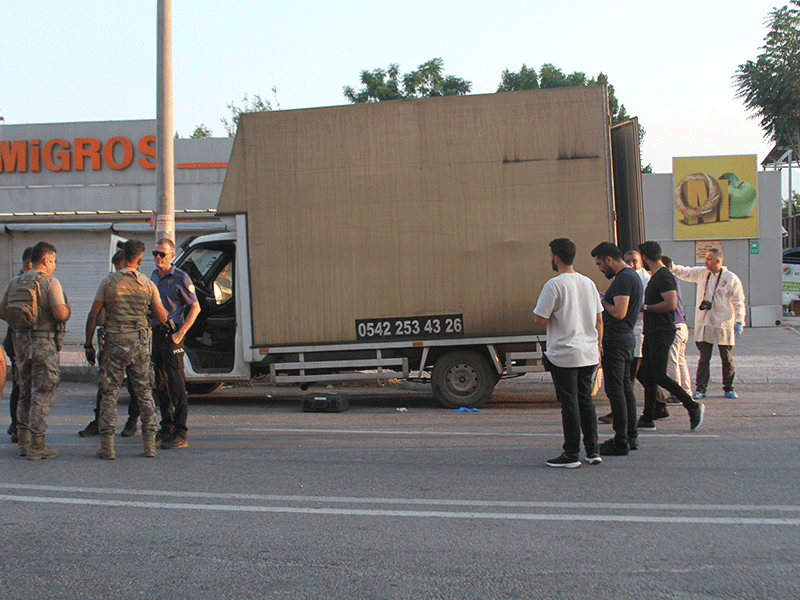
(392,211)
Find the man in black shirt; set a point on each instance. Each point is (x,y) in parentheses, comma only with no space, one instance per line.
(660,301)
(621,304)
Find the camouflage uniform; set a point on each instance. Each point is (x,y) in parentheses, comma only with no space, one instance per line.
(128,297)
(38,367)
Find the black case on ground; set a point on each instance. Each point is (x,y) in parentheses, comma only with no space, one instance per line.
(325,403)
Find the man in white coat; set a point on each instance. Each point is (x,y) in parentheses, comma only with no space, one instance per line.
(719,317)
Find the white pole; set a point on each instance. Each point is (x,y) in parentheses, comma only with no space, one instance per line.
(165,164)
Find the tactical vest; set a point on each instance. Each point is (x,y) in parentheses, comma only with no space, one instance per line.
(127,302)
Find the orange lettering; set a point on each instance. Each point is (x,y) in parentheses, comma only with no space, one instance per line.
(87,147)
(147,146)
(63,154)
(13,156)
(35,159)
(127,153)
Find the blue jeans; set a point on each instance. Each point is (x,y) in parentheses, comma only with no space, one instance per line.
(574,392)
(617,364)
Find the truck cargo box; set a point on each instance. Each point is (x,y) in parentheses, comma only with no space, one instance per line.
(379,220)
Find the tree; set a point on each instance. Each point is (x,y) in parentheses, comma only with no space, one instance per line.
(770,85)
(201,131)
(525,79)
(257,104)
(426,81)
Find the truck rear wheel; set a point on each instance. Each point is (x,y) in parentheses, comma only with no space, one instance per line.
(463,378)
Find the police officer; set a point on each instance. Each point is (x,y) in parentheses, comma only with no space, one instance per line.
(128,298)
(36,349)
(177,294)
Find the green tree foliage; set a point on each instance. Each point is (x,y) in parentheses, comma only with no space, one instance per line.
(426,81)
(525,79)
(257,104)
(201,131)
(770,85)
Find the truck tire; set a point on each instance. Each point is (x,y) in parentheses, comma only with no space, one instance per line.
(463,378)
(200,389)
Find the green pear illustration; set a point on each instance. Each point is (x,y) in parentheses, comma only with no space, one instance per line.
(742,195)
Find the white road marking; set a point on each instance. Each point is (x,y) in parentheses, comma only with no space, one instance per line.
(589,511)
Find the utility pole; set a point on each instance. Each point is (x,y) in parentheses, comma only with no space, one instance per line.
(165,164)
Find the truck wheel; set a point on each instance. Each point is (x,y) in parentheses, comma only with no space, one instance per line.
(463,378)
(199,389)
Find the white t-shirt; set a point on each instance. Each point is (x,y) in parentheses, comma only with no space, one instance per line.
(571,303)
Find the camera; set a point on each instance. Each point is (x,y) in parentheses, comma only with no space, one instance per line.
(705,305)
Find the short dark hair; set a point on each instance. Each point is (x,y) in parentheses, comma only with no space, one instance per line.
(667,261)
(650,250)
(166,242)
(26,254)
(132,249)
(41,250)
(607,250)
(564,249)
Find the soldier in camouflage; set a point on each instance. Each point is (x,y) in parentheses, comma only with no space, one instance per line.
(129,299)
(36,350)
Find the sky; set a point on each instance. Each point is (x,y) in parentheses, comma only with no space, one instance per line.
(671,64)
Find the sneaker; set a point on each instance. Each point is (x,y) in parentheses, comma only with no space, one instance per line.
(594,459)
(696,416)
(607,419)
(176,441)
(731,394)
(698,395)
(672,400)
(564,462)
(660,412)
(646,425)
(610,448)
(130,428)
(163,435)
(633,443)
(90,430)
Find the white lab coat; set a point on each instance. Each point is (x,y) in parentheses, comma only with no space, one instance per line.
(715,326)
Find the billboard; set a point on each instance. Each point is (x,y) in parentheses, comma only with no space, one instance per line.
(715,197)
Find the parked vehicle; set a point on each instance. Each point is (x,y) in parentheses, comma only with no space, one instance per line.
(405,239)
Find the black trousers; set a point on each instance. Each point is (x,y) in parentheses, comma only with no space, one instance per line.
(655,355)
(170,391)
(728,372)
(574,392)
(617,364)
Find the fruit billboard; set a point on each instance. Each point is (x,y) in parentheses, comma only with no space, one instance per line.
(715,197)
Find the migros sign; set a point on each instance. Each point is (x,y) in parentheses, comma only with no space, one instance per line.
(57,154)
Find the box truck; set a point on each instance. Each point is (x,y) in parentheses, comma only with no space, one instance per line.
(405,239)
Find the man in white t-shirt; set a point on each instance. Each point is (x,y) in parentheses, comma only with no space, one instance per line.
(569,305)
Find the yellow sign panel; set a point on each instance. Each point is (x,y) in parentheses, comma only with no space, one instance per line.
(715,197)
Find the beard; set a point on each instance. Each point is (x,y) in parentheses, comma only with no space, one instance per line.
(553,264)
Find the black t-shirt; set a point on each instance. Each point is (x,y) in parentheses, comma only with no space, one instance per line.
(661,281)
(625,283)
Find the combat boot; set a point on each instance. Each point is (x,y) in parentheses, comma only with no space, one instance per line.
(149,441)
(106,451)
(90,430)
(38,450)
(24,441)
(130,428)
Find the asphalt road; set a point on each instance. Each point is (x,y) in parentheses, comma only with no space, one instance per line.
(270,502)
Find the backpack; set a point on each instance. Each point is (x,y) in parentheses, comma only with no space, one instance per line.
(21,309)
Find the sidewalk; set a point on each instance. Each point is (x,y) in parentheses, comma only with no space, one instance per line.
(761,355)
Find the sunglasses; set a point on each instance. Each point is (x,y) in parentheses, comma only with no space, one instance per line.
(161,254)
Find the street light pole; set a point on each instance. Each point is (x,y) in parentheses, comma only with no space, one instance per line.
(165,164)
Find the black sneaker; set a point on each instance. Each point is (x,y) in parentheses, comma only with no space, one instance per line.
(163,435)
(564,462)
(593,459)
(607,419)
(90,430)
(130,428)
(660,412)
(646,425)
(696,416)
(610,448)
(633,443)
